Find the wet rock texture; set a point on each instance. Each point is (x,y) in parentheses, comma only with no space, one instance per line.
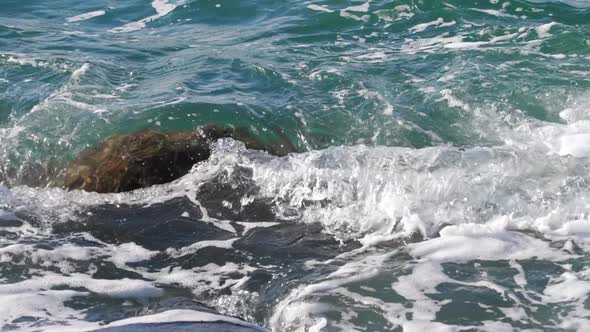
(138,160)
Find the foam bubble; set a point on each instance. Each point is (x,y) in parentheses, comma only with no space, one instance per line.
(320,8)
(162,7)
(183,316)
(122,288)
(86,16)
(577,145)
(467,242)
(494,12)
(543,30)
(130,253)
(438,23)
(193,248)
(359,9)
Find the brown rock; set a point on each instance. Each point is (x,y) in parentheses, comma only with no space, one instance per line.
(131,161)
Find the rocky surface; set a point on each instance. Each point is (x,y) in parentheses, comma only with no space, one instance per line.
(138,160)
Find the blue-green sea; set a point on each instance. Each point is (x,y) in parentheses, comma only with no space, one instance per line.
(440,179)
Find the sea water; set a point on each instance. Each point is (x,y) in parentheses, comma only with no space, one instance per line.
(442,179)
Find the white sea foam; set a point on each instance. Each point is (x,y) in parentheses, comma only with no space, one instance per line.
(122,288)
(162,7)
(399,12)
(429,44)
(183,316)
(129,253)
(86,16)
(494,12)
(320,8)
(437,23)
(25,61)
(80,71)
(543,30)
(41,304)
(29,60)
(295,310)
(251,225)
(202,279)
(364,8)
(575,3)
(518,39)
(193,248)
(37,298)
(467,242)
(387,107)
(360,8)
(447,95)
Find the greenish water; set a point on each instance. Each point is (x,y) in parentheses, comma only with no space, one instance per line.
(441,180)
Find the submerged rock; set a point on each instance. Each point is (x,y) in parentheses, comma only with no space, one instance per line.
(138,160)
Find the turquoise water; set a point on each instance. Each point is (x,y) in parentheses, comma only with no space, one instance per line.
(441,180)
